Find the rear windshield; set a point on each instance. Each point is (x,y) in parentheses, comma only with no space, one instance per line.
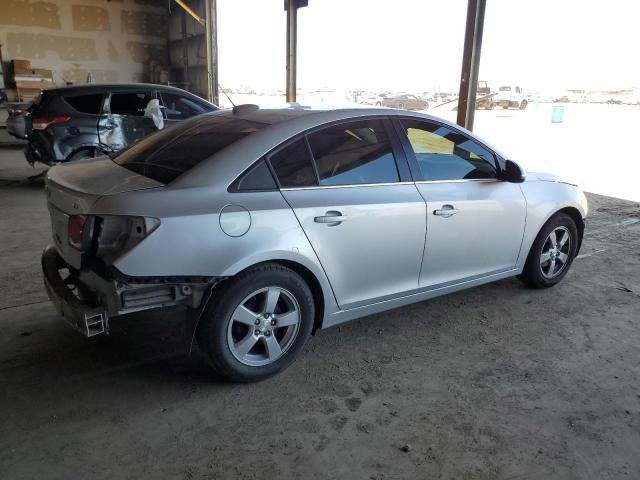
(166,155)
(505,89)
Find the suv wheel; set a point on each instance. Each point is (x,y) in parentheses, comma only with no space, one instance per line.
(552,252)
(257,324)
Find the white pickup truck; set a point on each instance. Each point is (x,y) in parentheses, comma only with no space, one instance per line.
(511,96)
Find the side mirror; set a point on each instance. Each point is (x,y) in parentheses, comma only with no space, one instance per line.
(512,172)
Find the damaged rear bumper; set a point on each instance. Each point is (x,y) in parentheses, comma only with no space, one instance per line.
(87,301)
(88,320)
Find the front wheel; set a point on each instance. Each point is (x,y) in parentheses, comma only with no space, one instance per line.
(256,325)
(552,252)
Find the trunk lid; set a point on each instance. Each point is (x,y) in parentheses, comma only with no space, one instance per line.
(98,177)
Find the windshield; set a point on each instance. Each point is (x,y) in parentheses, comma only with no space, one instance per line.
(166,155)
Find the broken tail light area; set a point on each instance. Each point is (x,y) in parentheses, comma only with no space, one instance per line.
(78,230)
(108,236)
(42,123)
(115,235)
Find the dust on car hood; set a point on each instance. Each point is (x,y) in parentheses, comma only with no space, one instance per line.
(99,177)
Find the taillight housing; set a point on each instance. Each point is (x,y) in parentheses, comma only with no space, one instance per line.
(42,123)
(77,230)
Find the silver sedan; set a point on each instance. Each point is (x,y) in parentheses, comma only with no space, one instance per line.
(270,224)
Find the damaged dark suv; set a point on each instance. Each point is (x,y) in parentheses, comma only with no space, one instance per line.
(72,123)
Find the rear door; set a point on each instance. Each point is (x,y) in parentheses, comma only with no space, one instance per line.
(88,107)
(475,222)
(126,118)
(353,197)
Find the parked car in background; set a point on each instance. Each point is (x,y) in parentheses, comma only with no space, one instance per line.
(269,224)
(16,120)
(443,97)
(405,102)
(372,100)
(511,96)
(72,123)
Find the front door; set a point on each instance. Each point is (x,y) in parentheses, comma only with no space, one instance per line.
(365,224)
(126,119)
(475,222)
(176,107)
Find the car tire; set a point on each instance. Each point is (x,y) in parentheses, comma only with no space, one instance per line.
(548,263)
(83,154)
(523,105)
(240,328)
(378,104)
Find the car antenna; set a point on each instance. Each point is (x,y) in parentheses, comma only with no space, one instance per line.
(239,108)
(226,95)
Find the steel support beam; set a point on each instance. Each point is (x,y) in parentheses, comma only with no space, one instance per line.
(471,63)
(211,27)
(292,48)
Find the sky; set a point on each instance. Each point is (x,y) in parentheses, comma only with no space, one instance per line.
(416,45)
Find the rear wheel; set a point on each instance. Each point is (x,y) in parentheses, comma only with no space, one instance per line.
(552,252)
(257,324)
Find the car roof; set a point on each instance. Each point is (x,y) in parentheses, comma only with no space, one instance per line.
(100,87)
(281,125)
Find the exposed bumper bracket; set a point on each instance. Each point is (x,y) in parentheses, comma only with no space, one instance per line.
(87,320)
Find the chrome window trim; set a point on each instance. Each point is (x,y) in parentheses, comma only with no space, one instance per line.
(462,180)
(320,187)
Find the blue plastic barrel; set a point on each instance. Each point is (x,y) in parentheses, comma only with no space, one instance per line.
(557,114)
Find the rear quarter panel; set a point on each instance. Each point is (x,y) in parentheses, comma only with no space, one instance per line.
(191,242)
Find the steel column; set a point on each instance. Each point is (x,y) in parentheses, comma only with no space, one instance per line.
(471,63)
(211,27)
(292,47)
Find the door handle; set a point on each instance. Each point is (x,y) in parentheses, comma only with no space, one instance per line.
(446,211)
(331,218)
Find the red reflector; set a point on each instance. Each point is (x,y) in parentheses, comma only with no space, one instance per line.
(42,123)
(75,230)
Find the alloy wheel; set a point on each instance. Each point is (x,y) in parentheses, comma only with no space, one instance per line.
(263,326)
(555,252)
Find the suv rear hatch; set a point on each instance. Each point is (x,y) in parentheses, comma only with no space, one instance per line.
(73,189)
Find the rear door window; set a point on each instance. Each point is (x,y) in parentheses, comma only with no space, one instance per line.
(86,103)
(129,103)
(293,166)
(354,153)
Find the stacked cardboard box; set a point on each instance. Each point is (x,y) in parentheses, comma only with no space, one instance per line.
(30,81)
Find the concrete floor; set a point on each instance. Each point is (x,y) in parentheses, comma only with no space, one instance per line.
(498,382)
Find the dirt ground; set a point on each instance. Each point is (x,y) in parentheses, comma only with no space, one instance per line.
(497,382)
